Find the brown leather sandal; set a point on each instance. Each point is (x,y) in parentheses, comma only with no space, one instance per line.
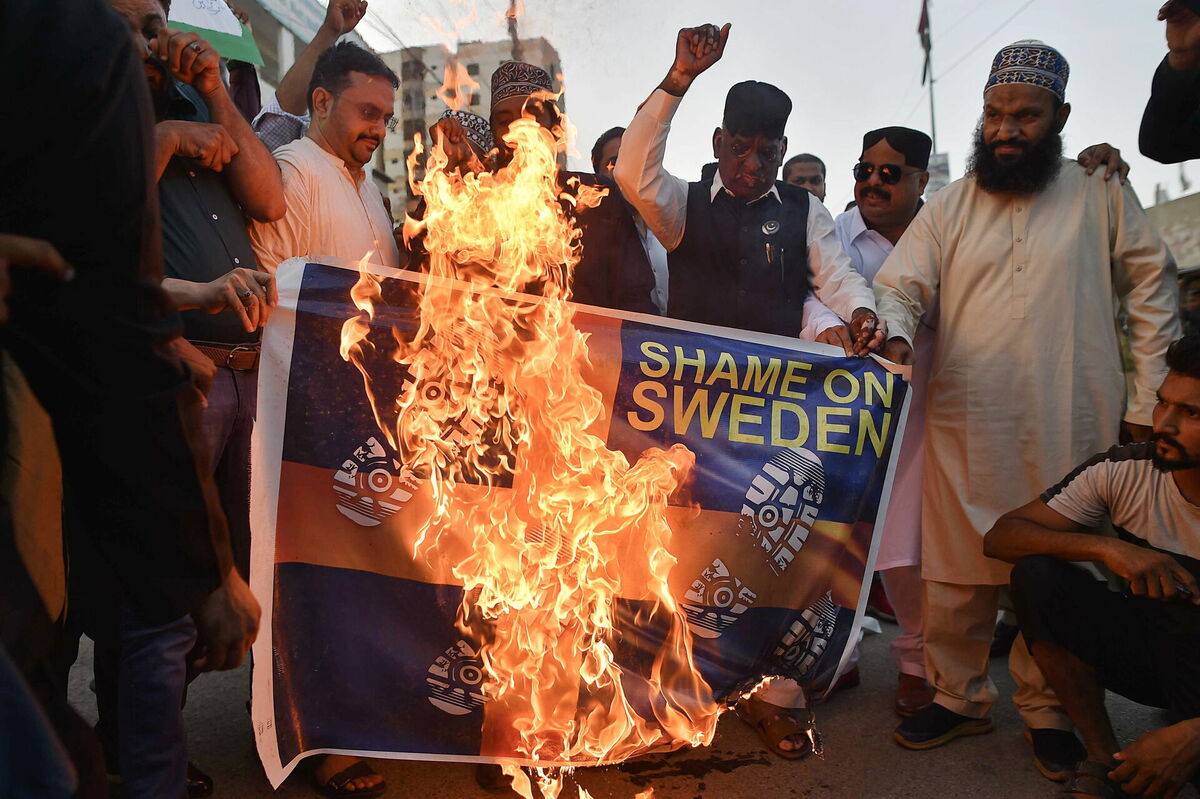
(773,724)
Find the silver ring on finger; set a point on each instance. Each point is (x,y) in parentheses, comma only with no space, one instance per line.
(246,295)
(196,46)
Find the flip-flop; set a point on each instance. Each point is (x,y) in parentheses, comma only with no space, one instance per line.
(773,724)
(336,786)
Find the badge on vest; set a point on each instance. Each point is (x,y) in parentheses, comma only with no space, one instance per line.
(770,227)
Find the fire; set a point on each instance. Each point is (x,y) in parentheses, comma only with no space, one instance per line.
(457,85)
(546,527)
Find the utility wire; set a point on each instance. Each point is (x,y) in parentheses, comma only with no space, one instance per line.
(971,51)
(963,18)
(385,29)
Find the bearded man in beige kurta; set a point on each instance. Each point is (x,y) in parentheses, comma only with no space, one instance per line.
(1031,258)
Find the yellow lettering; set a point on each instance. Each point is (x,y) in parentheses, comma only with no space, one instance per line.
(833,395)
(708,416)
(640,398)
(791,377)
(778,408)
(825,427)
(757,378)
(726,369)
(658,353)
(682,360)
(737,418)
(874,387)
(866,427)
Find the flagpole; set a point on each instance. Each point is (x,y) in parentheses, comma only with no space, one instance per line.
(927,72)
(932,115)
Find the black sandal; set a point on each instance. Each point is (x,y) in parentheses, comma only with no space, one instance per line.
(335,786)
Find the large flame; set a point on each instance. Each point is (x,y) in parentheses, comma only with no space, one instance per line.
(546,527)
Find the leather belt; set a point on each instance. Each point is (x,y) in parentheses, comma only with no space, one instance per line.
(239,357)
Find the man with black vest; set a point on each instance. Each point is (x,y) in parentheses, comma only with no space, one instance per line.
(744,248)
(744,251)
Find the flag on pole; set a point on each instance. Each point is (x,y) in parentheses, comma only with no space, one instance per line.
(926,43)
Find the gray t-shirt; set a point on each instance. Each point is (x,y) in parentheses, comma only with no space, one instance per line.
(1143,504)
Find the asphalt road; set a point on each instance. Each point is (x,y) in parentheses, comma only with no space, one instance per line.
(860,762)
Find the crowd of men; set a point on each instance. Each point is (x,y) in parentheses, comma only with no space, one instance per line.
(130,342)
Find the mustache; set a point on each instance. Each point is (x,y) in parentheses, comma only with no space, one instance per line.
(872,191)
(369,138)
(1019,143)
(1166,439)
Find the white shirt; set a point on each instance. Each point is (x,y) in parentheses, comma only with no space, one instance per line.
(657,255)
(867,249)
(661,200)
(331,210)
(1026,378)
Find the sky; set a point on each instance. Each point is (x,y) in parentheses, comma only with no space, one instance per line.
(849,66)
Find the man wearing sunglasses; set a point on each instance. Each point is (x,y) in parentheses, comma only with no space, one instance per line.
(1027,258)
(333,206)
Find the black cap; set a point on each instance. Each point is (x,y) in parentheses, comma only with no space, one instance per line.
(912,144)
(753,107)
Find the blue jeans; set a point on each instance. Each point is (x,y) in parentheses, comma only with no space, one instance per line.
(228,422)
(142,681)
(140,684)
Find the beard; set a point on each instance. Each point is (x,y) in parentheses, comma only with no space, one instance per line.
(1163,464)
(1029,174)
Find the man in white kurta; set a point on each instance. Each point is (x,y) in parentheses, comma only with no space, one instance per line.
(1027,377)
(334,208)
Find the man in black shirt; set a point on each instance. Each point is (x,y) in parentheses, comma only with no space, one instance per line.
(94,350)
(211,171)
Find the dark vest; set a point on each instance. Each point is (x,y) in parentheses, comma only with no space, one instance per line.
(721,273)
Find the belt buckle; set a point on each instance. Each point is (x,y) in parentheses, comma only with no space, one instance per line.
(235,351)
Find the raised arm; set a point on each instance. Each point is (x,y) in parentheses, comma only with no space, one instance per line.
(341,17)
(659,197)
(251,173)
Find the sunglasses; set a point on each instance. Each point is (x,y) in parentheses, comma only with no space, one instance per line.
(372,115)
(889,174)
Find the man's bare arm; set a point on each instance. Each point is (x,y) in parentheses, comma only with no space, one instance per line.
(340,18)
(1038,529)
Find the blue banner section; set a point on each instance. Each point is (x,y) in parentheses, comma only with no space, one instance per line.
(359,659)
(374,663)
(325,399)
(737,404)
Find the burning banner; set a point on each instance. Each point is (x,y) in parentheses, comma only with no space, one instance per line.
(546,551)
